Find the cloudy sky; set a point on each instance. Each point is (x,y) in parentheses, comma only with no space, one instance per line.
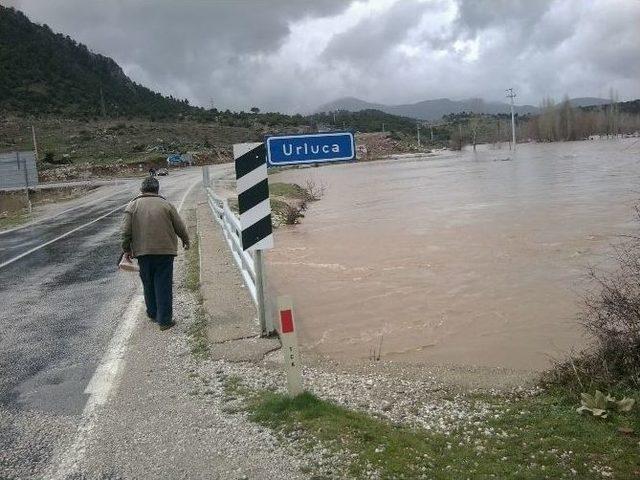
(293,55)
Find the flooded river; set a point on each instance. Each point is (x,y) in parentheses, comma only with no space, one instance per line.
(461,258)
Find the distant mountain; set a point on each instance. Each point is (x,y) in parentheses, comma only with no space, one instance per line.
(435,109)
(589,101)
(46,72)
(350,104)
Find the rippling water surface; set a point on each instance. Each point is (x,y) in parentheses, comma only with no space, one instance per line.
(465,258)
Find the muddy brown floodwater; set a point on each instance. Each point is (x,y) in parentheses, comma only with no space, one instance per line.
(462,258)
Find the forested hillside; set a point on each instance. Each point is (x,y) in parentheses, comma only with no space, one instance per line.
(42,72)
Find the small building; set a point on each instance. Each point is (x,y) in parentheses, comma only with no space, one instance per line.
(18,170)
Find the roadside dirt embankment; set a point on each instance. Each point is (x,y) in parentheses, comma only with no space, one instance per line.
(15,201)
(374,146)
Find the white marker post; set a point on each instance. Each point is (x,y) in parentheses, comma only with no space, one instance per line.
(289,341)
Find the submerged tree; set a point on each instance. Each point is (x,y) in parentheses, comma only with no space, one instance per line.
(547,121)
(566,121)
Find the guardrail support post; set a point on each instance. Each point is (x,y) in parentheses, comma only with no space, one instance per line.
(262,307)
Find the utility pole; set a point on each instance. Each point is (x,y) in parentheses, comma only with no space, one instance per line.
(511,94)
(418,131)
(102,105)
(334,117)
(431,127)
(26,179)
(35,144)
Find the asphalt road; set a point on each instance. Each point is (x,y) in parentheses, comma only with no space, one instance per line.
(61,298)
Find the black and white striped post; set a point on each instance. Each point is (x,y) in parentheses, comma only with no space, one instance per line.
(255,213)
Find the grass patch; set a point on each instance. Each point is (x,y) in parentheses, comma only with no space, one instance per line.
(289,190)
(233,386)
(377,445)
(532,438)
(192,279)
(197,332)
(544,429)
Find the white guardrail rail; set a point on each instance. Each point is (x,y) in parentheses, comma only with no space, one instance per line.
(230,224)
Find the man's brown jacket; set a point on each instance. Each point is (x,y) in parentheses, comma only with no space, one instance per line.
(151,227)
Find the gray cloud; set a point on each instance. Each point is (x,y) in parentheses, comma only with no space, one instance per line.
(294,55)
(478,15)
(375,35)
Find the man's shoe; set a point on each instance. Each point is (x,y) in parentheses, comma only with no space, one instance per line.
(167,326)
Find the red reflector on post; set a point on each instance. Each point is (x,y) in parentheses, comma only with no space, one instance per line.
(286,321)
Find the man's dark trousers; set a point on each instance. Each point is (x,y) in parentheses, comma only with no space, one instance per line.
(156,273)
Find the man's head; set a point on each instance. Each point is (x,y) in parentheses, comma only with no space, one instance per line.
(150,185)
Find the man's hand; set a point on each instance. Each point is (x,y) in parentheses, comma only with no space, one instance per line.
(128,257)
(186,245)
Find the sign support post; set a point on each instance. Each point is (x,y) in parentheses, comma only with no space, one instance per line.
(260,293)
(35,143)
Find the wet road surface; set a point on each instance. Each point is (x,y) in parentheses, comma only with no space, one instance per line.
(59,307)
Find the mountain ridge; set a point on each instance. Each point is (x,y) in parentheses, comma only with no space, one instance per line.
(435,109)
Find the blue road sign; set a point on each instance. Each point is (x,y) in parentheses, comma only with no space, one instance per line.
(312,148)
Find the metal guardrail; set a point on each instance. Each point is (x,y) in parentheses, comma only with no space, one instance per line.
(231,228)
(250,263)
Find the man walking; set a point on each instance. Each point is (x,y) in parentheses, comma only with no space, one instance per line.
(149,233)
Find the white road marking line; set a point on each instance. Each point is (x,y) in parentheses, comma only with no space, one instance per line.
(102,382)
(99,388)
(184,197)
(35,249)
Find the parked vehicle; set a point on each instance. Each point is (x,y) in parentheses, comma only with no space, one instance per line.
(180,160)
(163,172)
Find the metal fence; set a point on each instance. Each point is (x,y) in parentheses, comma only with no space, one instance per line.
(249,263)
(18,170)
